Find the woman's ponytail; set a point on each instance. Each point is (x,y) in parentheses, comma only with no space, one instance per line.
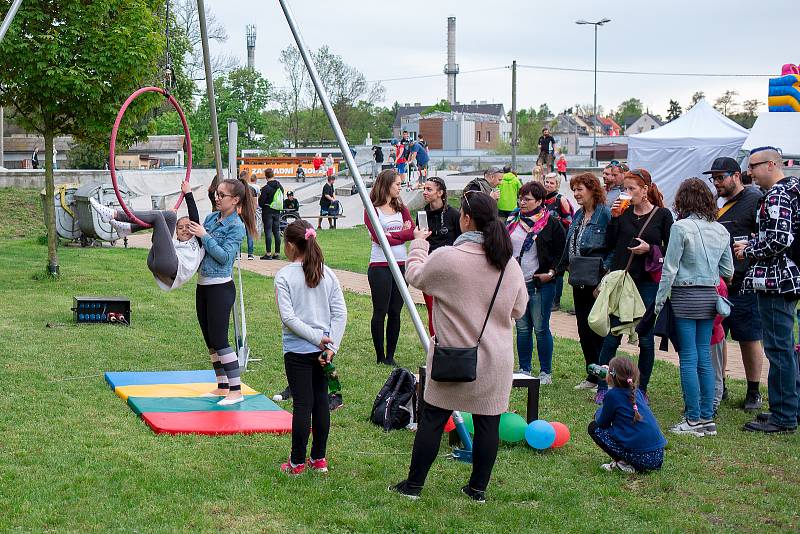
(482,209)
(655,196)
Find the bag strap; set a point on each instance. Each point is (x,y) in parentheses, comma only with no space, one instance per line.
(647,222)
(491,305)
(699,231)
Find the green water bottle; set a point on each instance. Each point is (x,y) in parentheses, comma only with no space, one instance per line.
(600,371)
(334,386)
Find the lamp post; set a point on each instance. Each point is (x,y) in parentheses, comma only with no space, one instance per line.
(594,117)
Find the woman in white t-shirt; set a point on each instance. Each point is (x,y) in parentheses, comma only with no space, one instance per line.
(173,261)
(398,226)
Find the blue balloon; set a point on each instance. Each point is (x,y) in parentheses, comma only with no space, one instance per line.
(540,434)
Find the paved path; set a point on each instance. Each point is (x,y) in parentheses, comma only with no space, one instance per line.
(561,324)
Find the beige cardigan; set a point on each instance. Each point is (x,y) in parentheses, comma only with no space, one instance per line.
(462,282)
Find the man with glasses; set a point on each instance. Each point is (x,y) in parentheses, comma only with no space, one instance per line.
(775,278)
(612,178)
(738,216)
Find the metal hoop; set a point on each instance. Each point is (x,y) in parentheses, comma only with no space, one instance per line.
(112,150)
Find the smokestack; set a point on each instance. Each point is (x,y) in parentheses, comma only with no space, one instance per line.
(251,46)
(451,69)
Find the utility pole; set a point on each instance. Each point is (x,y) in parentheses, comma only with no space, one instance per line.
(594,117)
(514,115)
(2,138)
(212,102)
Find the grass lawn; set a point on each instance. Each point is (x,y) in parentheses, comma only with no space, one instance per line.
(75,458)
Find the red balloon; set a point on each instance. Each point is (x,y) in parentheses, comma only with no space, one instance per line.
(450,426)
(562,435)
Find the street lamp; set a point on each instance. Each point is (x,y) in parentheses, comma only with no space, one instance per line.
(594,118)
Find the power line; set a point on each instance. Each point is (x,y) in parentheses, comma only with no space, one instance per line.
(645,73)
(420,76)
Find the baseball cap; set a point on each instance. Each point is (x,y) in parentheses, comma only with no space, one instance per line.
(728,165)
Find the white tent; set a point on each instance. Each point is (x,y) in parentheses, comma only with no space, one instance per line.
(780,130)
(685,147)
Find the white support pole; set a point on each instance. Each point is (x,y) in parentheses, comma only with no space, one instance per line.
(12,12)
(362,190)
(233,137)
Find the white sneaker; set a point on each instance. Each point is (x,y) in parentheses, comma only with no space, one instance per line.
(545,378)
(709,427)
(625,467)
(585,384)
(106,214)
(609,466)
(693,428)
(123,228)
(522,372)
(230,402)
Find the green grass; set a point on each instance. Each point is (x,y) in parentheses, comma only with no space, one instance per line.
(74,457)
(21,213)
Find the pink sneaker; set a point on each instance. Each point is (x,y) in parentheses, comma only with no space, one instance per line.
(292,470)
(320,466)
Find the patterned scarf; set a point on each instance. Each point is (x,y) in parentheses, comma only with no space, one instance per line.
(535,221)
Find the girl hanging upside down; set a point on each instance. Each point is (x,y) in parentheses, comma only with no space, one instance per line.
(173,261)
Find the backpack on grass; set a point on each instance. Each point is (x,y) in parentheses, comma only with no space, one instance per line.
(396,404)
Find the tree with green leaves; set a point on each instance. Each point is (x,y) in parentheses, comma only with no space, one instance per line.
(674,110)
(441,105)
(630,108)
(69,64)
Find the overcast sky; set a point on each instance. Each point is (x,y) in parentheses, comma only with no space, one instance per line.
(399,39)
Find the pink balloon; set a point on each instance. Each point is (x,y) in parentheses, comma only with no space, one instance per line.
(562,435)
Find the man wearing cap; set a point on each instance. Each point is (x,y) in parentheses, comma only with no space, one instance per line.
(291,203)
(775,278)
(738,216)
(612,177)
(487,183)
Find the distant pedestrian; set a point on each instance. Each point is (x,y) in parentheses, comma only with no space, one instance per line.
(377,160)
(561,166)
(300,173)
(547,147)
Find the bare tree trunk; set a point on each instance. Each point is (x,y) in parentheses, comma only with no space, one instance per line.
(49,206)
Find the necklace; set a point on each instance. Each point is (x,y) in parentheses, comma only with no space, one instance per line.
(643,215)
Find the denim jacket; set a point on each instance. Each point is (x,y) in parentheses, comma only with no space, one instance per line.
(593,239)
(688,263)
(222,243)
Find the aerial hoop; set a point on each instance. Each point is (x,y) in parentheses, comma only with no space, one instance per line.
(112,150)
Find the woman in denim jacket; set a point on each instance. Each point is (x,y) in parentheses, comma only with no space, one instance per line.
(698,254)
(587,238)
(221,234)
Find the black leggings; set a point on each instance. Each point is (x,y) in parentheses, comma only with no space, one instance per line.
(386,300)
(162,260)
(591,342)
(272,228)
(429,437)
(214,304)
(310,396)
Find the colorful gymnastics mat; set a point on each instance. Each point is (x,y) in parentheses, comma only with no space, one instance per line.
(171,402)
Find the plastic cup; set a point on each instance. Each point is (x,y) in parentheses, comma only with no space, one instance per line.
(622,203)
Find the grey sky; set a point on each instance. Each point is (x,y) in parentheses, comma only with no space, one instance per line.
(395,39)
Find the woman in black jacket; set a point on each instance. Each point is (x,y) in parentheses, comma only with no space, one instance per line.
(442,223)
(538,241)
(271,213)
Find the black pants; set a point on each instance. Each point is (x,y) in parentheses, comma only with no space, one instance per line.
(429,437)
(386,300)
(591,343)
(272,228)
(161,260)
(310,395)
(214,304)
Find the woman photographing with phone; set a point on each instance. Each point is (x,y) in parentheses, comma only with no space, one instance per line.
(633,235)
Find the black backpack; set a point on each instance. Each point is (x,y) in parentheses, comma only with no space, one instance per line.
(396,404)
(335,209)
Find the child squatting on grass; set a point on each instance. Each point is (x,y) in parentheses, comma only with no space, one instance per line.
(624,426)
(173,261)
(313,313)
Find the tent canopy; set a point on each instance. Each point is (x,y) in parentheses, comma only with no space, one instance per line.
(685,147)
(780,130)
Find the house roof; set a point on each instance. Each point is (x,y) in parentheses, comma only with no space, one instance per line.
(157,143)
(497,110)
(27,143)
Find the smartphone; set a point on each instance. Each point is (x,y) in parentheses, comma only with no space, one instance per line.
(635,242)
(422,217)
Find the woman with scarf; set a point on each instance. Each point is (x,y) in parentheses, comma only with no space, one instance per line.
(538,239)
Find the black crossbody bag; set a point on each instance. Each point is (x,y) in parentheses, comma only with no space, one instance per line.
(454,364)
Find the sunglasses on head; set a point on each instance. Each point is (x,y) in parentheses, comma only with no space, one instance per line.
(466,197)
(640,174)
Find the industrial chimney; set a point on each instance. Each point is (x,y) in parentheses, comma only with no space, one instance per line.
(251,46)
(451,69)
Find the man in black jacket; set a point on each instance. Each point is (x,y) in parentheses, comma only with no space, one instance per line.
(270,213)
(738,216)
